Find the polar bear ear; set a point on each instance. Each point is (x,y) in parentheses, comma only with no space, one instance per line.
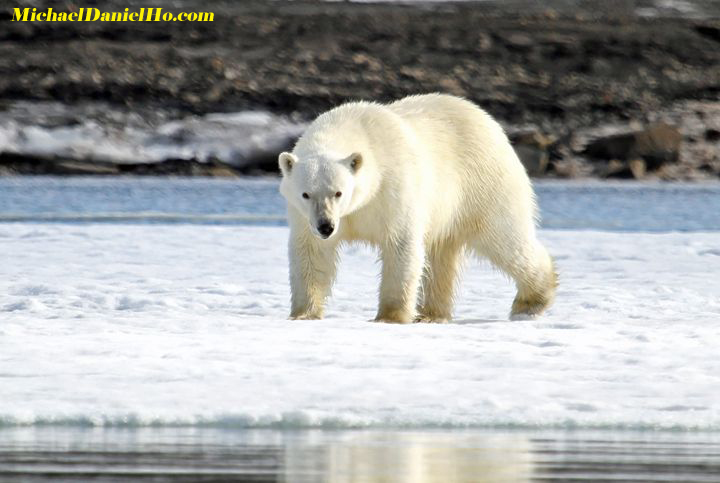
(286,161)
(354,161)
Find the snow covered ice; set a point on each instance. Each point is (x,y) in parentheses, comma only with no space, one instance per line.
(186,324)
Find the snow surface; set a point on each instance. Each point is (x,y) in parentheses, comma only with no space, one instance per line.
(182,324)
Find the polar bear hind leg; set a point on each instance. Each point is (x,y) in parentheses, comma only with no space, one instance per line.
(528,263)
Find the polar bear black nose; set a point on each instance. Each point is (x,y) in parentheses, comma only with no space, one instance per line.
(325,228)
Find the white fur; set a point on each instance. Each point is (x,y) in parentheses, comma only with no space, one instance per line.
(434,177)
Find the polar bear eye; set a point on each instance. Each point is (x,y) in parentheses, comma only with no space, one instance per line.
(338,194)
(306,196)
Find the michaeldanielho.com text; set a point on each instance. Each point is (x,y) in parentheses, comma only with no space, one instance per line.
(96,15)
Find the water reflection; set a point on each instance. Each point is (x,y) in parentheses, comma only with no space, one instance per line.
(414,457)
(339,456)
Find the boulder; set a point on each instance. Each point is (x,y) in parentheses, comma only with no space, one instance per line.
(532,148)
(656,145)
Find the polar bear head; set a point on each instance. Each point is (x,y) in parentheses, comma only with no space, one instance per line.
(322,188)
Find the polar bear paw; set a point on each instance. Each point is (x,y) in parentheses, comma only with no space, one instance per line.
(529,308)
(394,317)
(306,316)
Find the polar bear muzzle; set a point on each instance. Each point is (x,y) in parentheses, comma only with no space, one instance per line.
(325,228)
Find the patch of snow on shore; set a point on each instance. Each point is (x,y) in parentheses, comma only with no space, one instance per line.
(87,132)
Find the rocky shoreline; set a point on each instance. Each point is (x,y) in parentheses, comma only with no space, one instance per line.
(602,89)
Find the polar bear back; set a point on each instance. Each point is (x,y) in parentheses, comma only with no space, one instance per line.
(475,171)
(460,137)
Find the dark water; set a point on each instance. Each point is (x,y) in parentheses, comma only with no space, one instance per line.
(141,200)
(563,205)
(203,455)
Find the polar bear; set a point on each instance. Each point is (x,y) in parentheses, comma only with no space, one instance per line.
(425,179)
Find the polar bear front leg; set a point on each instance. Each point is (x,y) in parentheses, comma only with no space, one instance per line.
(312,272)
(402,266)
